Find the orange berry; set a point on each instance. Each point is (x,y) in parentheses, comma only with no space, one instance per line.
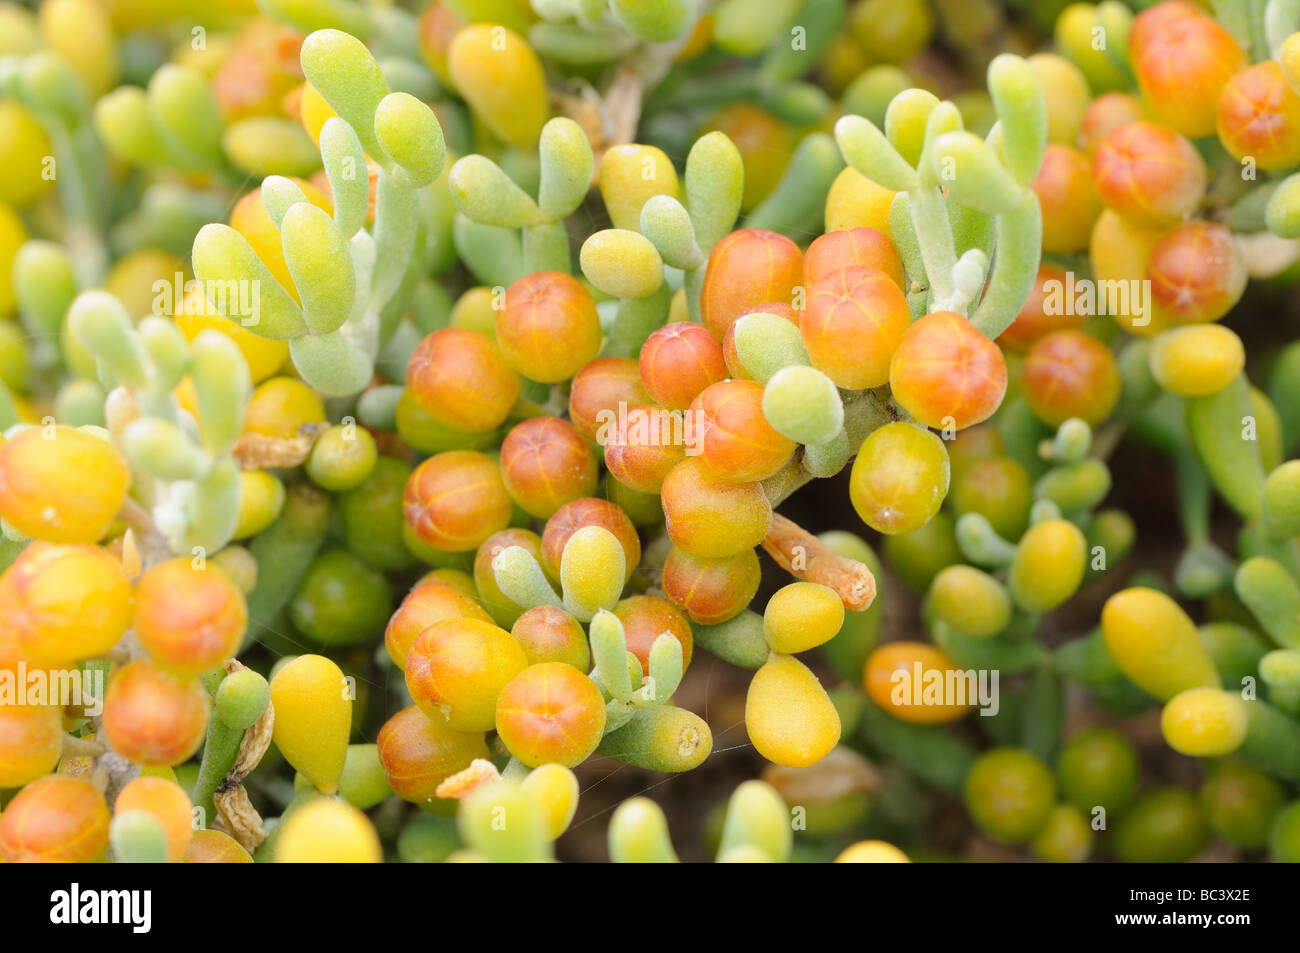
(65,603)
(548,329)
(644,619)
(678,361)
(1070,374)
(599,388)
(896,676)
(427,603)
(550,713)
(455,500)
(189,619)
(862,247)
(57,819)
(1149,174)
(545,463)
(1033,321)
(854,321)
(746,268)
(461,379)
(1259,117)
(169,805)
(733,437)
(588,511)
(710,591)
(946,374)
(1182,60)
(457,667)
(419,753)
(1068,200)
(153,717)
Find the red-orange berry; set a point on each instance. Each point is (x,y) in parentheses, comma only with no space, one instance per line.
(1034,319)
(745,269)
(678,361)
(461,379)
(854,321)
(1149,174)
(1070,374)
(641,454)
(419,753)
(545,463)
(599,388)
(733,437)
(1197,272)
(548,328)
(455,500)
(1259,117)
(710,591)
(946,374)
(549,634)
(152,716)
(862,247)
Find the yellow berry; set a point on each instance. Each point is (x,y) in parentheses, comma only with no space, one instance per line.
(872,852)
(261,496)
(1198,360)
(789,716)
(1048,566)
(44,490)
(1204,722)
(280,406)
(24,151)
(854,201)
(631,174)
(801,616)
(328,832)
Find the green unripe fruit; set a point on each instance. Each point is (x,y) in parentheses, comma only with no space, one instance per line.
(1009,792)
(342,458)
(241,698)
(341,601)
(1162,826)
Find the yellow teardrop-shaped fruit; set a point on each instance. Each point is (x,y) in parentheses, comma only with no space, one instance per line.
(500,76)
(788,714)
(1155,644)
(313,718)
